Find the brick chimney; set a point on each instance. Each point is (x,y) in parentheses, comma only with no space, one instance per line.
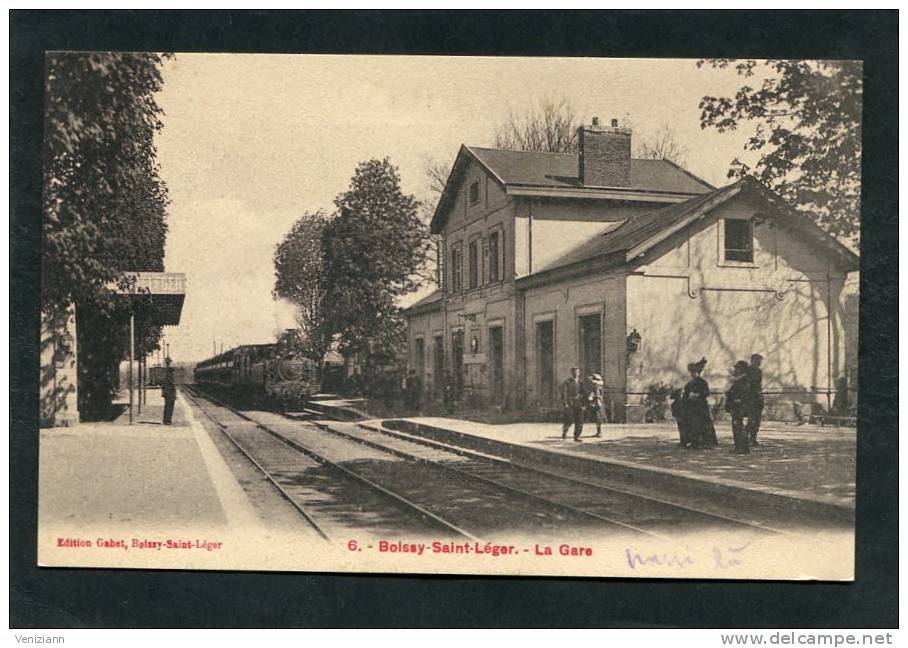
(605,155)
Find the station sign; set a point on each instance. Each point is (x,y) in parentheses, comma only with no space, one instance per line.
(155,283)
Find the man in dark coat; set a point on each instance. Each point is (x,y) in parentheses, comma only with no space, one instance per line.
(736,399)
(573,398)
(680,418)
(414,389)
(169,392)
(755,401)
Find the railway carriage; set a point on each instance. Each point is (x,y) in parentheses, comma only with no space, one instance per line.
(261,375)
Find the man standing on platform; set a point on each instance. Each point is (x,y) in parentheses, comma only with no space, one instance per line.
(573,399)
(597,401)
(169,392)
(736,402)
(755,402)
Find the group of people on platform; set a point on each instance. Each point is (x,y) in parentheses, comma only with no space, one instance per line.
(743,400)
(690,405)
(578,398)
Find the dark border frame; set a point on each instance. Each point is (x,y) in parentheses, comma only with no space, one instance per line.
(126,598)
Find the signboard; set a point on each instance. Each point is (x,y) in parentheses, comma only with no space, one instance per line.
(474,358)
(162,292)
(156,283)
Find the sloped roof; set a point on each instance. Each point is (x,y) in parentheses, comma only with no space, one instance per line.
(562,170)
(426,303)
(556,172)
(645,230)
(633,231)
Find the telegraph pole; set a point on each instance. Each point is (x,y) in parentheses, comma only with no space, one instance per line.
(132,351)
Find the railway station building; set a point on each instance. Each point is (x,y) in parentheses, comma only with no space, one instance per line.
(628,268)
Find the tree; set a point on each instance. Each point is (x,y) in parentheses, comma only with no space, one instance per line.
(104,201)
(436,171)
(664,145)
(375,247)
(301,278)
(552,127)
(806,118)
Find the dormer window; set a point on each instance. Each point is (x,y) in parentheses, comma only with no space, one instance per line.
(474,193)
(739,240)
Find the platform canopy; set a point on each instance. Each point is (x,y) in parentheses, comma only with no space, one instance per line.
(162,295)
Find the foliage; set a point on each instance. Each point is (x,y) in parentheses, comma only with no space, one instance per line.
(299,269)
(436,171)
(552,127)
(664,145)
(375,247)
(104,201)
(807,129)
(656,401)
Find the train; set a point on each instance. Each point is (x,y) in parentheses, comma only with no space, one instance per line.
(156,376)
(261,375)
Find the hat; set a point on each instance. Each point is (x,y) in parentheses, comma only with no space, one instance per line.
(697,366)
(756,356)
(596,379)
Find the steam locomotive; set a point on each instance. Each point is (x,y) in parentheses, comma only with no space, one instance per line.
(261,375)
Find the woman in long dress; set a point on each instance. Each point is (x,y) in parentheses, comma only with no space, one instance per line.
(697,417)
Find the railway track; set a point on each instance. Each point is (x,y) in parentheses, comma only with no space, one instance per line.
(461,502)
(645,513)
(329,498)
(470,493)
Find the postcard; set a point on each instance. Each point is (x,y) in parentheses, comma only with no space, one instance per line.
(462,315)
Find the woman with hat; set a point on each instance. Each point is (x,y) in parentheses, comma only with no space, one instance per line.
(597,400)
(699,422)
(736,400)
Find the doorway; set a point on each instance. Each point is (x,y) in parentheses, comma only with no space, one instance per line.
(457,361)
(590,344)
(496,364)
(545,361)
(419,360)
(439,368)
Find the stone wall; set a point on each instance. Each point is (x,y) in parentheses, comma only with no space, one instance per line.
(59,378)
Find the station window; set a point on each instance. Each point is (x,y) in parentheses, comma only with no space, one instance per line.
(739,240)
(474,193)
(456,269)
(495,256)
(474,264)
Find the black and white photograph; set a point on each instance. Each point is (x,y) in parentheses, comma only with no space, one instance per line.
(471,315)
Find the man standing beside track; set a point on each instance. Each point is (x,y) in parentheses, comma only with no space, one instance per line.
(169,392)
(573,399)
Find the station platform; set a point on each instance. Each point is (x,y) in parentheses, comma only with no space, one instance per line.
(95,478)
(800,469)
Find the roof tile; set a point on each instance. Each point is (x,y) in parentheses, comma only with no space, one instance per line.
(561,170)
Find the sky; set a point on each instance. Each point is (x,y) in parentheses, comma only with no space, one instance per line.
(251,142)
